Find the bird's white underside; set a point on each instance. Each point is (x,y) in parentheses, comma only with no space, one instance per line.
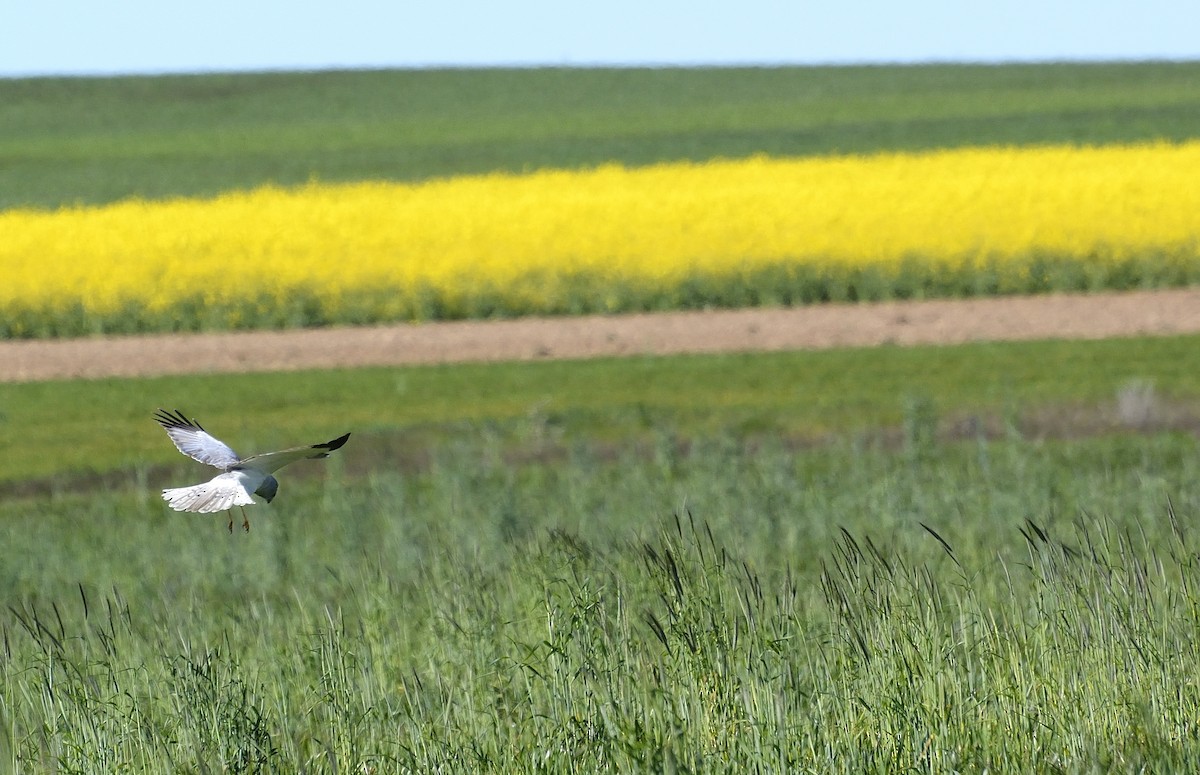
(222,492)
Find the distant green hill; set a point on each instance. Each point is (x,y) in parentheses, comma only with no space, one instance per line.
(92,140)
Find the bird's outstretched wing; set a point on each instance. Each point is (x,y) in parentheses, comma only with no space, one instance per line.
(269,462)
(221,493)
(195,442)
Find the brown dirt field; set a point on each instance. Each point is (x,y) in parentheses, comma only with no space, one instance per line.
(1057,316)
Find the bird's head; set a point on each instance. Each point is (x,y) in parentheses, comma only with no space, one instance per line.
(268,488)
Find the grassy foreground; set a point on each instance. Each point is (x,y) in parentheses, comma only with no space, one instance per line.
(987,605)
(709,600)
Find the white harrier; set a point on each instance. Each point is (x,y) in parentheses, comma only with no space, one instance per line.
(238,478)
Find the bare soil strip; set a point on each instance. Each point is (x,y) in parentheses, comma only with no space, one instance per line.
(1058,316)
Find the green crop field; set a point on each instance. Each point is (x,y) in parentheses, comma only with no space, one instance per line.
(98,140)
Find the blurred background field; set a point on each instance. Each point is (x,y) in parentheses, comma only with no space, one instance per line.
(726,188)
(737,233)
(99,140)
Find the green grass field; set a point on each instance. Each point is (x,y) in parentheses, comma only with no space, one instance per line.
(98,140)
(811,561)
(801,396)
(1005,605)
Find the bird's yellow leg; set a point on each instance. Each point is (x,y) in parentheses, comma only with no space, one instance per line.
(245,519)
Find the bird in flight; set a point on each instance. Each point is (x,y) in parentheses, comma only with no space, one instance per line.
(239,477)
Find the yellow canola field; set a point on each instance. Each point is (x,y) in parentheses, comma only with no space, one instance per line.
(603,239)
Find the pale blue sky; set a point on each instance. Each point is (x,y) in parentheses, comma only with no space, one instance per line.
(154,36)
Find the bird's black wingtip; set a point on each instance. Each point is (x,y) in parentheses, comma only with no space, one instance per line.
(175,420)
(335,444)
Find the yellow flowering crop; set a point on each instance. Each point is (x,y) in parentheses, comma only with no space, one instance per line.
(722,232)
